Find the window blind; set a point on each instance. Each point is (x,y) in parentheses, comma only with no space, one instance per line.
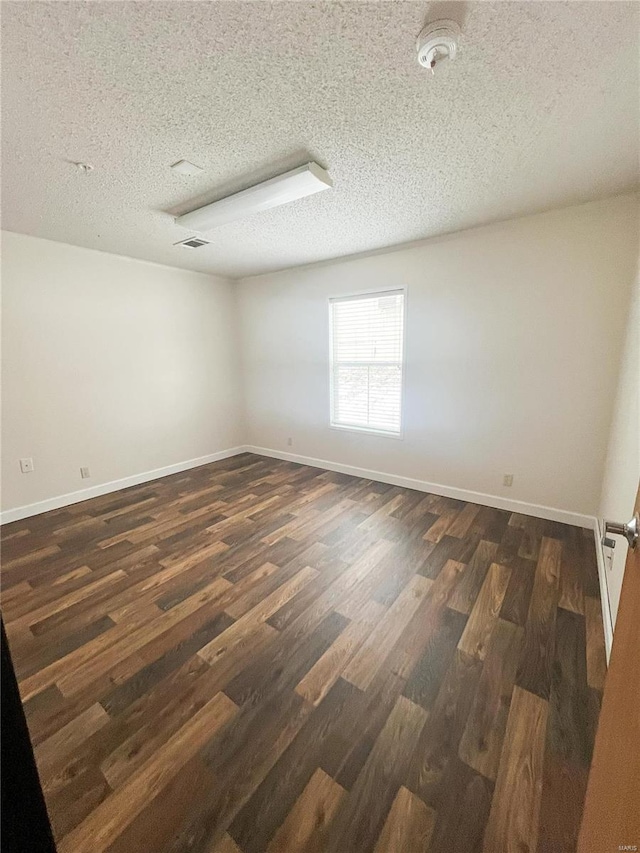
(367,361)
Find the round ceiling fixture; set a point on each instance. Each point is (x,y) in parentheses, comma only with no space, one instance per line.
(438,41)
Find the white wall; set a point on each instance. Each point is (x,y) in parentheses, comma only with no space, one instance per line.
(112,363)
(514,335)
(514,340)
(622,469)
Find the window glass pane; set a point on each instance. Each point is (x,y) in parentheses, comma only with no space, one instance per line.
(351,399)
(384,397)
(366,356)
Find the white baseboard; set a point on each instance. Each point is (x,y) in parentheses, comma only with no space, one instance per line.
(495,501)
(113,486)
(607,619)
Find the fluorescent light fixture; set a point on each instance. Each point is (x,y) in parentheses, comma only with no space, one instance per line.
(298,183)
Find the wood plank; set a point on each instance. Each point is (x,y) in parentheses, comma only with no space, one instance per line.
(441,526)
(363,667)
(255,587)
(311,612)
(481,744)
(517,598)
(440,738)
(408,826)
(564,788)
(59,644)
(143,727)
(596,658)
(406,559)
(449,548)
(568,733)
(162,657)
(471,582)
(485,612)
(284,663)
(534,672)
(463,800)
(241,759)
(437,655)
(70,805)
(94,666)
(490,524)
(462,523)
(29,559)
(277,794)
(69,738)
(533,529)
(425,621)
(308,820)
(515,811)
(360,819)
(151,830)
(571,588)
(115,813)
(229,640)
(324,674)
(225,845)
(87,653)
(362,719)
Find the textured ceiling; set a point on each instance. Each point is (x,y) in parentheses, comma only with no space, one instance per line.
(541,109)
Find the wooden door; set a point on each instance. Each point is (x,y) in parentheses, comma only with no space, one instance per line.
(611,819)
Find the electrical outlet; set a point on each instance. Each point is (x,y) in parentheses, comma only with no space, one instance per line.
(85,473)
(289,441)
(507,480)
(26,465)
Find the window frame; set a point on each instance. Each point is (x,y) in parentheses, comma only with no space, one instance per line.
(363,294)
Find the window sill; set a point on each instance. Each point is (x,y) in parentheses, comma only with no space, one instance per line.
(367,431)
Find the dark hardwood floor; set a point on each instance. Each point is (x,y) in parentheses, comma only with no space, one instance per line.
(261,656)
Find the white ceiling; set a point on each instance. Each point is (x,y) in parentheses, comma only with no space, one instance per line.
(540,110)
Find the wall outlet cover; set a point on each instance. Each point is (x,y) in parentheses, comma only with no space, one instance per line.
(85,473)
(26,465)
(507,480)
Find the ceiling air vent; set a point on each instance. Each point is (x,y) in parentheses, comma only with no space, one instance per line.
(192,243)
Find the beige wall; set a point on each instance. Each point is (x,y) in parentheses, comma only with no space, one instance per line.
(513,341)
(622,470)
(111,363)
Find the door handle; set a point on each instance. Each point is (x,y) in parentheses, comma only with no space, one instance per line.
(630,530)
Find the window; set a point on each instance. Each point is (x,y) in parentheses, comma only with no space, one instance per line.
(367,361)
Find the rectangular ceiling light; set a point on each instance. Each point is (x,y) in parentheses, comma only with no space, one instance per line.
(298,183)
